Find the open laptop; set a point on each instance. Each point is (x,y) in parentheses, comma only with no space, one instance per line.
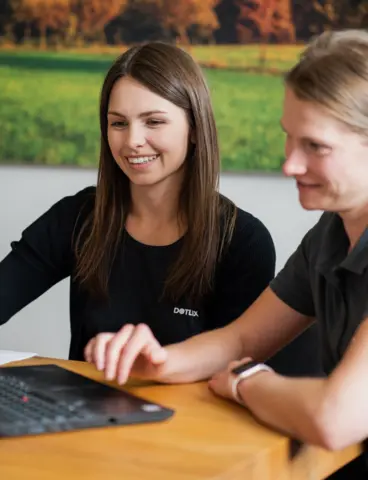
(47,398)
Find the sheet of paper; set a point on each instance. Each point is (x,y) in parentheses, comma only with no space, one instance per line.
(7,356)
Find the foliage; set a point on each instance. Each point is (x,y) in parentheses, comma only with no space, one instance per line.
(185,21)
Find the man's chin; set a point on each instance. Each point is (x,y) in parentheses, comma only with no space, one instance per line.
(309,204)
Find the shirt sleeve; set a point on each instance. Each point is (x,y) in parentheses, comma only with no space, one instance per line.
(292,284)
(245,270)
(42,257)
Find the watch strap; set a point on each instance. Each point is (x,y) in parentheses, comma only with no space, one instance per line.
(259,367)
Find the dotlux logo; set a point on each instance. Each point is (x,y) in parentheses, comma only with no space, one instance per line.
(186,311)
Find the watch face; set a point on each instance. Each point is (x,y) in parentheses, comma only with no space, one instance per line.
(243,367)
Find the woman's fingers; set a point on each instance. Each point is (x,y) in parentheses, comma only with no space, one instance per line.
(88,350)
(94,351)
(114,348)
(141,342)
(99,351)
(116,353)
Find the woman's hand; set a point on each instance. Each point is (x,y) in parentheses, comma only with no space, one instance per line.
(221,382)
(133,350)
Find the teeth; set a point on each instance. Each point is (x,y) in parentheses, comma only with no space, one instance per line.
(136,160)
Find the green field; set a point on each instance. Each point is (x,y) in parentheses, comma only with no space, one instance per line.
(277,57)
(49,111)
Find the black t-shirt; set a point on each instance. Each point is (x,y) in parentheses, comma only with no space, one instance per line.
(45,255)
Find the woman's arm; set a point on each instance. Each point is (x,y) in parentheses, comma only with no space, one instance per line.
(42,257)
(260,331)
(22,280)
(331,413)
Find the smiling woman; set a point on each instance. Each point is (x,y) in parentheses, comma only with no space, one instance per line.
(147,134)
(155,101)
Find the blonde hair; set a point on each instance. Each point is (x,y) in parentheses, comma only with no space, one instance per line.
(333,72)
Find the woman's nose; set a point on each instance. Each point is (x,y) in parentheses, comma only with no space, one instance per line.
(135,136)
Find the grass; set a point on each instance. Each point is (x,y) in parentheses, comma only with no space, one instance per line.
(49,111)
(278,57)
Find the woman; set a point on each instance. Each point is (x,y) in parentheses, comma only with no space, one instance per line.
(325,117)
(154,242)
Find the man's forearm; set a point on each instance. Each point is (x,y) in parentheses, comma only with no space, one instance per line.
(328,412)
(201,356)
(286,404)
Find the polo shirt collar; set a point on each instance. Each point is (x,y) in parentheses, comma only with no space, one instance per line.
(357,260)
(334,248)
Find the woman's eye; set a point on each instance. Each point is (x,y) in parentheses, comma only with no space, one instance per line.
(154,122)
(118,124)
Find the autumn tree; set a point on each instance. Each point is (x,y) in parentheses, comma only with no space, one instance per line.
(350,14)
(272,19)
(283,26)
(43,14)
(178,16)
(328,11)
(239,19)
(91,16)
(340,13)
(227,12)
(140,21)
(269,18)
(5,17)
(22,13)
(205,19)
(317,16)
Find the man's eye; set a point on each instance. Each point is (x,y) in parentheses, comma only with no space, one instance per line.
(318,148)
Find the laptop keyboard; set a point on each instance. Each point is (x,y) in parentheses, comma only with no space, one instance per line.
(47,399)
(20,403)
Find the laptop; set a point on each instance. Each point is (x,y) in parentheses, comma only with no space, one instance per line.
(41,399)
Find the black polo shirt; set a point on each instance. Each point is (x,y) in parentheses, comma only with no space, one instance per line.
(323,279)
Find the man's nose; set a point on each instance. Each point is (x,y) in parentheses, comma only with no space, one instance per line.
(294,164)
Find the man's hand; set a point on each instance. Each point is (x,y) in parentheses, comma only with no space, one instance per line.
(133,350)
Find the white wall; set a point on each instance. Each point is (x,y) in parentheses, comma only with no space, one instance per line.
(26,192)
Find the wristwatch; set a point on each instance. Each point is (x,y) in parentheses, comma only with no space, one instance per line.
(243,371)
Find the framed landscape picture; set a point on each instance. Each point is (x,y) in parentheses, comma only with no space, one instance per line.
(54,55)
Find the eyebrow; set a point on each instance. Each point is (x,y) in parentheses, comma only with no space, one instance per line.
(141,115)
(316,140)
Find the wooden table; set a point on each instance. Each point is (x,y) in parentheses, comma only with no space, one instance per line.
(207,438)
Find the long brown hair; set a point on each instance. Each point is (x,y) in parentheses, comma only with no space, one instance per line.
(171,73)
